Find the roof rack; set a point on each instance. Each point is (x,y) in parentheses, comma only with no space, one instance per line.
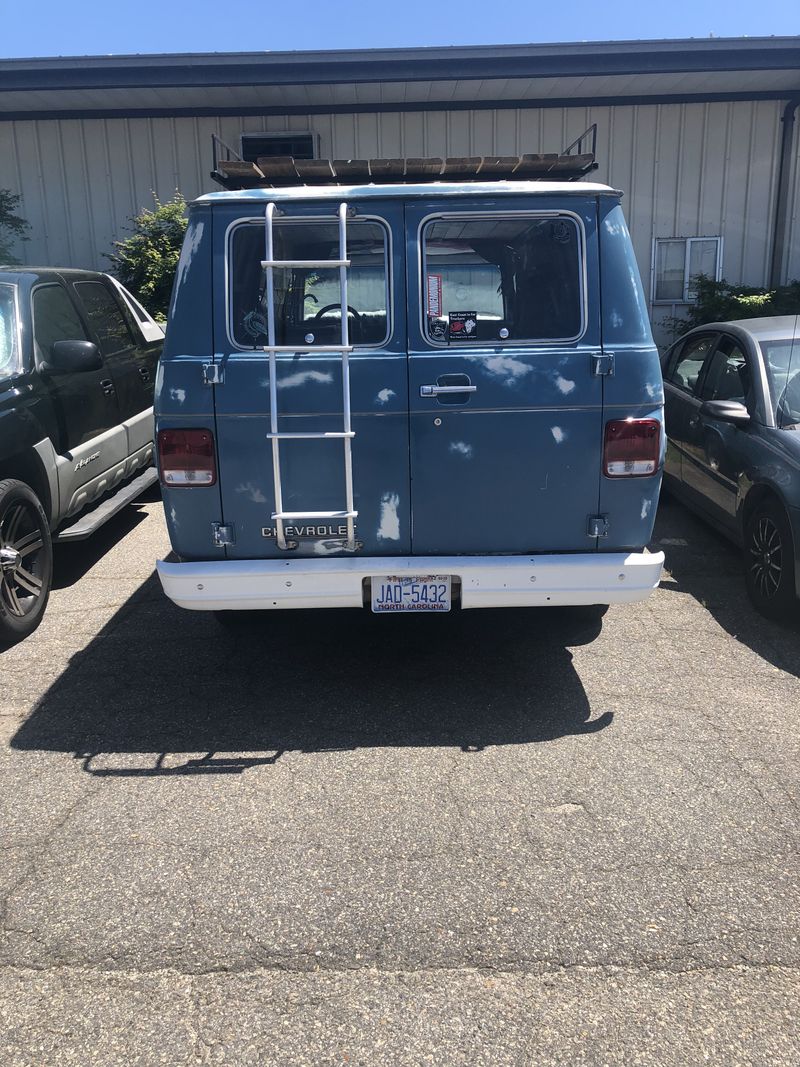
(233,172)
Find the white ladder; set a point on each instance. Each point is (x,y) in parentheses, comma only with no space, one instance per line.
(346,435)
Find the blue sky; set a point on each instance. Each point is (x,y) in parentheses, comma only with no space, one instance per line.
(80,27)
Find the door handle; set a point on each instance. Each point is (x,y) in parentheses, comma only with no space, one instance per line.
(439,390)
(144,374)
(107,386)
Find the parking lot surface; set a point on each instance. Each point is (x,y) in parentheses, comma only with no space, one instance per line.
(518,837)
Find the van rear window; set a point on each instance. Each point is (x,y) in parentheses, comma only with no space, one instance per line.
(307,300)
(502,279)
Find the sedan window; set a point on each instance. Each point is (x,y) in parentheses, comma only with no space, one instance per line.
(729,376)
(689,364)
(782,362)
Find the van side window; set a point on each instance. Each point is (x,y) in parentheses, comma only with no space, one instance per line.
(307,300)
(105,317)
(497,279)
(54,319)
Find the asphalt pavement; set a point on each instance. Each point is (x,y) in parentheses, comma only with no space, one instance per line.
(522,837)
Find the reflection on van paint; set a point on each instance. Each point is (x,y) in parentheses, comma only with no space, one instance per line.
(506,367)
(191,246)
(558,434)
(384,396)
(461,448)
(292,381)
(253,492)
(564,385)
(389,529)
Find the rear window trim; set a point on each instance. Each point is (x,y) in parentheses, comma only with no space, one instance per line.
(259,220)
(583,283)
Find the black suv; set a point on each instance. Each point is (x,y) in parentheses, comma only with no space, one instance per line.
(78,358)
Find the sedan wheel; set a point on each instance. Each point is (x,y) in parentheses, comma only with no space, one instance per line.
(769,560)
(26,561)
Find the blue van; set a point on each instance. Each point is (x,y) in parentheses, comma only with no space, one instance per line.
(409,396)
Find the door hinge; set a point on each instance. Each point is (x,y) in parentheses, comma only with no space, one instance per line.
(598,526)
(603,365)
(223,534)
(213,374)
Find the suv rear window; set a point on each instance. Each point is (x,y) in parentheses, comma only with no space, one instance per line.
(308,301)
(8,331)
(502,279)
(105,317)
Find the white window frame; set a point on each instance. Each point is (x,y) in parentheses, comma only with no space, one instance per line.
(688,242)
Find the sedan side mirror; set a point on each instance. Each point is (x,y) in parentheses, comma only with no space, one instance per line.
(74,356)
(726,411)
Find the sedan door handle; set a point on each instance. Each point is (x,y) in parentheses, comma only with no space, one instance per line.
(107,386)
(439,390)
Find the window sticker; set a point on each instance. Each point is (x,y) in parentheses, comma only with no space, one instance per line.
(434,295)
(462,326)
(437,329)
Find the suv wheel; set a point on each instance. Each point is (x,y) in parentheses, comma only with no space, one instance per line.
(26,561)
(769,560)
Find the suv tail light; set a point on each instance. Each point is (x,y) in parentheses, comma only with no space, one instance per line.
(632,448)
(186,457)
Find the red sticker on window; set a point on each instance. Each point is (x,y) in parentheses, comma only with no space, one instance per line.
(434,295)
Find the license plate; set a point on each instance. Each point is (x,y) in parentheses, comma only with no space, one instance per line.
(428,592)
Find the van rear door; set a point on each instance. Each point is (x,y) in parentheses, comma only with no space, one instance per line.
(506,407)
(309,385)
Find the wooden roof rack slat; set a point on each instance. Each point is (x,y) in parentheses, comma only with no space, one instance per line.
(387,170)
(279,168)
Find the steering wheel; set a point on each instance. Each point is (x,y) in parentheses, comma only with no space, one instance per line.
(337,307)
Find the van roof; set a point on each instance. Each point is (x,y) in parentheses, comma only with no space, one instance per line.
(425,190)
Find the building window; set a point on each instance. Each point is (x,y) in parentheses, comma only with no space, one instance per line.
(258,145)
(678,261)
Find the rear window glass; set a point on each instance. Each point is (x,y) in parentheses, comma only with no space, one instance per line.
(105,317)
(8,331)
(307,301)
(498,280)
(782,361)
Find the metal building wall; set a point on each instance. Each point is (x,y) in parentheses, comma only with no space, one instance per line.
(687,169)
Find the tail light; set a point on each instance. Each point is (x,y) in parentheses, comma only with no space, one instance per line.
(186,457)
(632,448)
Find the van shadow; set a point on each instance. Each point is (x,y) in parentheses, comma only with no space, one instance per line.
(709,567)
(162,691)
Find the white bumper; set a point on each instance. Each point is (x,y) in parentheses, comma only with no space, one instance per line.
(486,581)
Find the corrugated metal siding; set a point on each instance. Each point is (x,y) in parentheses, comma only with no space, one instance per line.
(687,169)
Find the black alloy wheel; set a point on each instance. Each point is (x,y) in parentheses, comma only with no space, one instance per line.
(769,561)
(26,561)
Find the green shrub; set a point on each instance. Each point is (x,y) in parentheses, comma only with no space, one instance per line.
(145,262)
(721,302)
(13,228)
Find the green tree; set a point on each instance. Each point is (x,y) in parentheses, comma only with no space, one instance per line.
(146,261)
(722,302)
(13,228)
